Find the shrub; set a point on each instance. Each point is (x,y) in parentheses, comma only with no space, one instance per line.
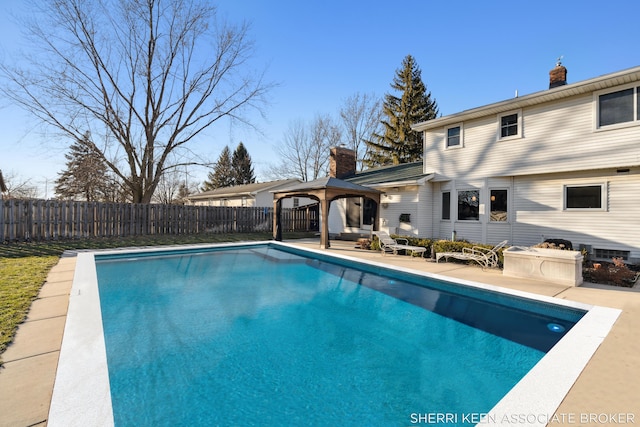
(547,244)
(617,273)
(375,244)
(556,244)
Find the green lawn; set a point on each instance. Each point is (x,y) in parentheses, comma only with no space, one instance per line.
(20,281)
(24,267)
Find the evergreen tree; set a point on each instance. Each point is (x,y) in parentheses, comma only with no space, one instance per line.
(222,174)
(242,168)
(400,144)
(86,175)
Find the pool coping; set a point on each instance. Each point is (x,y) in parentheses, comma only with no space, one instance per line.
(81,394)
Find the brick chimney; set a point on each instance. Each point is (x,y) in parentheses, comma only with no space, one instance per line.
(342,162)
(558,76)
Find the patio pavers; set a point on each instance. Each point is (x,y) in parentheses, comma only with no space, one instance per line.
(48,307)
(36,337)
(30,362)
(609,383)
(26,386)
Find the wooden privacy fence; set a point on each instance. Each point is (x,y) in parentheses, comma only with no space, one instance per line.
(54,219)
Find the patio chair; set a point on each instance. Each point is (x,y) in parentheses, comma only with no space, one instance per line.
(389,244)
(487,258)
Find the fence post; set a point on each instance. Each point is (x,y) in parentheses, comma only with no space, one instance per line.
(2,221)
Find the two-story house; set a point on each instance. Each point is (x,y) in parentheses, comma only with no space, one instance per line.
(561,163)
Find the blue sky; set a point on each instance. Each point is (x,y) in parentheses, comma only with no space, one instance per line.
(471,53)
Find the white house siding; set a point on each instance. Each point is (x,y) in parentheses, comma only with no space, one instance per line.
(425,219)
(396,201)
(539,202)
(442,228)
(497,232)
(557,137)
(337,216)
(229,201)
(265,198)
(484,230)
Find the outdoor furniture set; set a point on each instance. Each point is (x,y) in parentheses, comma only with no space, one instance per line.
(487,258)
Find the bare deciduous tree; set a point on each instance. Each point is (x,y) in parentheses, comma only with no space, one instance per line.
(361,118)
(174,186)
(304,152)
(19,188)
(144,78)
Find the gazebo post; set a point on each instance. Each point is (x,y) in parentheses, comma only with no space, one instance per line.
(324,234)
(277,222)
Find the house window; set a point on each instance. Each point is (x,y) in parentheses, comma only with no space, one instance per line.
(498,204)
(446,205)
(243,202)
(468,205)
(584,196)
(296,202)
(622,106)
(510,125)
(454,136)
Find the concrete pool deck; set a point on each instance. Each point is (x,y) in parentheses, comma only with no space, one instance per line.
(608,386)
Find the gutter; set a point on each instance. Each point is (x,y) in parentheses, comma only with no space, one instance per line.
(419,181)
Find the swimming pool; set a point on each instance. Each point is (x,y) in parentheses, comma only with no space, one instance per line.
(239,343)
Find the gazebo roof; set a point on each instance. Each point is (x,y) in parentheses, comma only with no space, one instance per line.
(329,183)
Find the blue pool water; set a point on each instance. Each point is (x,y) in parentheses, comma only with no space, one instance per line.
(259,336)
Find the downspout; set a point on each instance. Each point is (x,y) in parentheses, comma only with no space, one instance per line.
(511,214)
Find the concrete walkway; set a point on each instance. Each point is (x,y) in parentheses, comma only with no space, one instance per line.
(30,362)
(608,386)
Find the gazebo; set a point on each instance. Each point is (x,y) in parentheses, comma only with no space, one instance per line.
(324,190)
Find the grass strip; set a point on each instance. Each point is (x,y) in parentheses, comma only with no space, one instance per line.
(20,281)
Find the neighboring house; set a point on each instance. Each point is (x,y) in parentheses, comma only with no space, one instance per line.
(562,163)
(249,195)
